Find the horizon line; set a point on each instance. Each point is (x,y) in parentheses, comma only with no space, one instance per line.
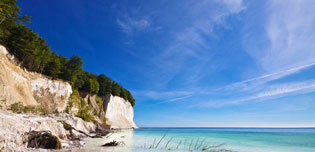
(313,127)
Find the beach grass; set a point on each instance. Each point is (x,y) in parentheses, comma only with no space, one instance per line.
(191,145)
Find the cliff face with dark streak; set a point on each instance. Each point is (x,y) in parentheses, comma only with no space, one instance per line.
(115,112)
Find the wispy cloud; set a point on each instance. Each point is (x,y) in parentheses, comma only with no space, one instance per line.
(272,92)
(266,78)
(177,99)
(286,48)
(288,35)
(189,46)
(165,95)
(130,25)
(260,89)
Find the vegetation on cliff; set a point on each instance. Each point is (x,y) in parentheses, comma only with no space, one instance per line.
(35,55)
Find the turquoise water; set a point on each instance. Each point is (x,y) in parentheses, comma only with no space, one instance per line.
(196,139)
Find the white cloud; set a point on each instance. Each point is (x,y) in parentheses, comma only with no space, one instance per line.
(235,6)
(254,82)
(272,92)
(289,35)
(190,42)
(165,95)
(178,99)
(260,88)
(129,25)
(289,49)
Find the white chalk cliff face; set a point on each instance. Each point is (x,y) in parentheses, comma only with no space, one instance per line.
(118,112)
(29,88)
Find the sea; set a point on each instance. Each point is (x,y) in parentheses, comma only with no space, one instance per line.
(207,139)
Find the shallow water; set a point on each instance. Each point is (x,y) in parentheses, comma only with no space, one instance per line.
(196,139)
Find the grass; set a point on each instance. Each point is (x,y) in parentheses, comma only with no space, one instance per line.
(199,145)
(20,108)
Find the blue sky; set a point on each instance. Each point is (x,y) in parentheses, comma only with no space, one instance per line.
(219,63)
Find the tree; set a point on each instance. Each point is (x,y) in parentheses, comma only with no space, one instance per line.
(130,98)
(105,85)
(53,68)
(93,86)
(116,89)
(9,16)
(28,47)
(9,11)
(72,69)
(124,94)
(81,80)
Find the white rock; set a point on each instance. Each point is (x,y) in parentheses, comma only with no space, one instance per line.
(30,88)
(118,112)
(14,126)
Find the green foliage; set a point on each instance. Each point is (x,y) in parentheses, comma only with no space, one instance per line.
(19,108)
(74,100)
(29,109)
(84,111)
(98,101)
(105,85)
(29,48)
(35,55)
(124,94)
(72,69)
(67,126)
(91,84)
(116,89)
(9,16)
(16,107)
(53,67)
(95,113)
(130,98)
(42,110)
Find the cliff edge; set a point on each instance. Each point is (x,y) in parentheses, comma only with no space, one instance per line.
(29,88)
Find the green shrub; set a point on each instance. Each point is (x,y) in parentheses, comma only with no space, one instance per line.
(29,109)
(74,100)
(42,110)
(19,108)
(98,101)
(95,113)
(84,114)
(84,111)
(16,107)
(67,126)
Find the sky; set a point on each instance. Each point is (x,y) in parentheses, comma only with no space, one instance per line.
(188,63)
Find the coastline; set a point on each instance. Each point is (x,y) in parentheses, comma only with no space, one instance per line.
(212,139)
(124,136)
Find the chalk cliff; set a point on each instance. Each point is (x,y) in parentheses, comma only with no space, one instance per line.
(118,112)
(33,89)
(29,88)
(115,112)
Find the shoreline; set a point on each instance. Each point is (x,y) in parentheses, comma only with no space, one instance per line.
(122,136)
